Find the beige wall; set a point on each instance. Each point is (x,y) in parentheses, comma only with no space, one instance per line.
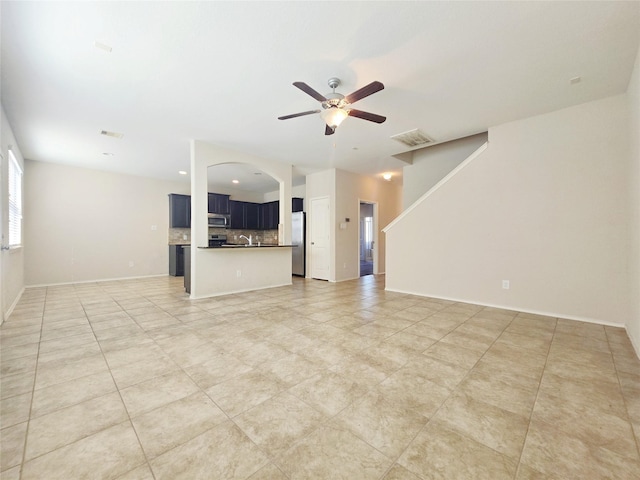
(83,225)
(633,102)
(544,207)
(11,261)
(432,164)
(345,191)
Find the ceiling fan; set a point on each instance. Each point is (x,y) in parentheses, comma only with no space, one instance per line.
(335,106)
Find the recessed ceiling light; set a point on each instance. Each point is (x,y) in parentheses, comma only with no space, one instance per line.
(102,46)
(182,172)
(387,176)
(257,173)
(575,80)
(107,154)
(111,134)
(235,181)
(355,148)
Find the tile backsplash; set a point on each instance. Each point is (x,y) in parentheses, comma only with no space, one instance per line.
(179,236)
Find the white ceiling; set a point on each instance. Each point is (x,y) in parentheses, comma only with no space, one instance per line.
(222,72)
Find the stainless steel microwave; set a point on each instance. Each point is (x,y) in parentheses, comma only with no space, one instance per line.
(218,220)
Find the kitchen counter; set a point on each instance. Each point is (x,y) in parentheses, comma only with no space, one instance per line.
(218,272)
(233,246)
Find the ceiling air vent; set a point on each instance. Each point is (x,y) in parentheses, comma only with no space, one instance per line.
(111,134)
(413,138)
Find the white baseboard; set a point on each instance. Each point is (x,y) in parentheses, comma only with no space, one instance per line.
(8,313)
(98,280)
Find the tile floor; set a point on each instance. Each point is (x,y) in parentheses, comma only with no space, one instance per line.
(131,380)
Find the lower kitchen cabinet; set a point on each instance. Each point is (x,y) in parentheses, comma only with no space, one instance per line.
(176,260)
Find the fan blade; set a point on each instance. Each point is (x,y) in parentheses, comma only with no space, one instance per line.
(372,117)
(294,115)
(370,89)
(309,91)
(328,130)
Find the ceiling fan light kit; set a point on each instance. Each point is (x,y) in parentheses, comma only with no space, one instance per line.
(335,105)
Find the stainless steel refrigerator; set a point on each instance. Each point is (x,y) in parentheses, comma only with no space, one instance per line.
(298,256)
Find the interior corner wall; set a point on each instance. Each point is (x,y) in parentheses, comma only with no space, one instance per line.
(633,102)
(544,206)
(85,225)
(350,190)
(432,164)
(12,261)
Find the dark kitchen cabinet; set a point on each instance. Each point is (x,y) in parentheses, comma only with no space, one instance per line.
(179,211)
(218,203)
(176,260)
(244,215)
(297,204)
(269,215)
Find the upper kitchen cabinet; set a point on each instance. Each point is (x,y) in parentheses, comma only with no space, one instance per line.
(179,211)
(245,215)
(218,203)
(297,204)
(269,215)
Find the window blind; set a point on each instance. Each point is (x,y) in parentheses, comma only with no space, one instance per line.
(15,201)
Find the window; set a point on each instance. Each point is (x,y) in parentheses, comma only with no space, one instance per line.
(15,201)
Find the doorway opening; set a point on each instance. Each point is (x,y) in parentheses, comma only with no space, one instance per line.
(367,238)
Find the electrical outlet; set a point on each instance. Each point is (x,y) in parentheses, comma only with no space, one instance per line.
(344,265)
(184,237)
(154,227)
(238,273)
(130,263)
(505,284)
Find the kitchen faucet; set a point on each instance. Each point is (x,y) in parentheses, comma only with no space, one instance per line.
(247,238)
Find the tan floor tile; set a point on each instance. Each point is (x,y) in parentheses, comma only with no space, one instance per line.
(591,425)
(64,352)
(138,372)
(11,385)
(17,340)
(277,423)
(143,472)
(72,423)
(18,365)
(534,344)
(527,473)
(14,410)
(412,390)
(494,427)
(474,342)
(382,423)
(332,452)
(439,372)
(583,329)
(442,454)
(268,472)
(216,370)
(12,445)
(11,473)
(175,423)
(398,472)
(558,455)
(62,371)
(602,395)
(511,392)
(18,351)
(221,452)
(328,392)
(290,369)
(454,355)
(245,391)
(61,395)
(158,391)
(106,454)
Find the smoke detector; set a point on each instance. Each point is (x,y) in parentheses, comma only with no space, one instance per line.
(413,138)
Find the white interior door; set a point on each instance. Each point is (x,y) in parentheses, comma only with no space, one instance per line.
(320,229)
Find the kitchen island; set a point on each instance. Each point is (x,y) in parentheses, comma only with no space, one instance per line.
(239,268)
